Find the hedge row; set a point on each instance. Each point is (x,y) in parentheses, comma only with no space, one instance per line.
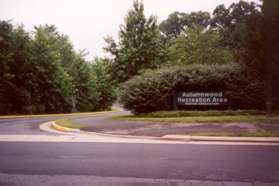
(153,90)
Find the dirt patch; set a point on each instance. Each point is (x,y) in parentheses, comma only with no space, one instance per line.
(142,128)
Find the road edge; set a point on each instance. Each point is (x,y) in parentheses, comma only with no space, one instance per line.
(188,138)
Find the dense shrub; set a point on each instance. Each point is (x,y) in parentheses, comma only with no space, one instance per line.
(154,89)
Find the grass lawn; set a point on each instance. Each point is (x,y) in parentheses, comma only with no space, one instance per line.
(69,124)
(204,117)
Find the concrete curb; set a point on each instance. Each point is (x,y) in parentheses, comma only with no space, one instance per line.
(61,136)
(63,129)
(66,130)
(47,127)
(185,138)
(222,139)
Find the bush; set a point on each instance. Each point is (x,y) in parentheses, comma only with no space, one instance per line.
(153,90)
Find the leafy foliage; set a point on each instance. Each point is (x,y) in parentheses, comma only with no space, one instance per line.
(139,45)
(15,67)
(153,90)
(232,35)
(197,45)
(271,45)
(241,27)
(104,87)
(41,73)
(178,22)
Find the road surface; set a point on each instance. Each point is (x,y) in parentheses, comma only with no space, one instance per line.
(73,163)
(205,163)
(23,125)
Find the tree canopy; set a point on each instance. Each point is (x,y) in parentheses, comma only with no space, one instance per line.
(139,45)
(42,73)
(178,22)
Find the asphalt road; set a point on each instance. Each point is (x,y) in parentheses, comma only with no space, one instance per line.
(31,125)
(231,163)
(62,163)
(23,125)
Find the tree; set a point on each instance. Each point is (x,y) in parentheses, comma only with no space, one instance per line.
(107,95)
(70,82)
(85,94)
(15,65)
(42,73)
(241,27)
(178,22)
(174,25)
(139,45)
(197,45)
(271,45)
(54,86)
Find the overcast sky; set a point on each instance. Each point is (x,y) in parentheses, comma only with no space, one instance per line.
(87,22)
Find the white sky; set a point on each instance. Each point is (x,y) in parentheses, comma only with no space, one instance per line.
(87,22)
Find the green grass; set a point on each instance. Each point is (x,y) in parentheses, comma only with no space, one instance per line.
(163,114)
(204,117)
(70,124)
(239,134)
